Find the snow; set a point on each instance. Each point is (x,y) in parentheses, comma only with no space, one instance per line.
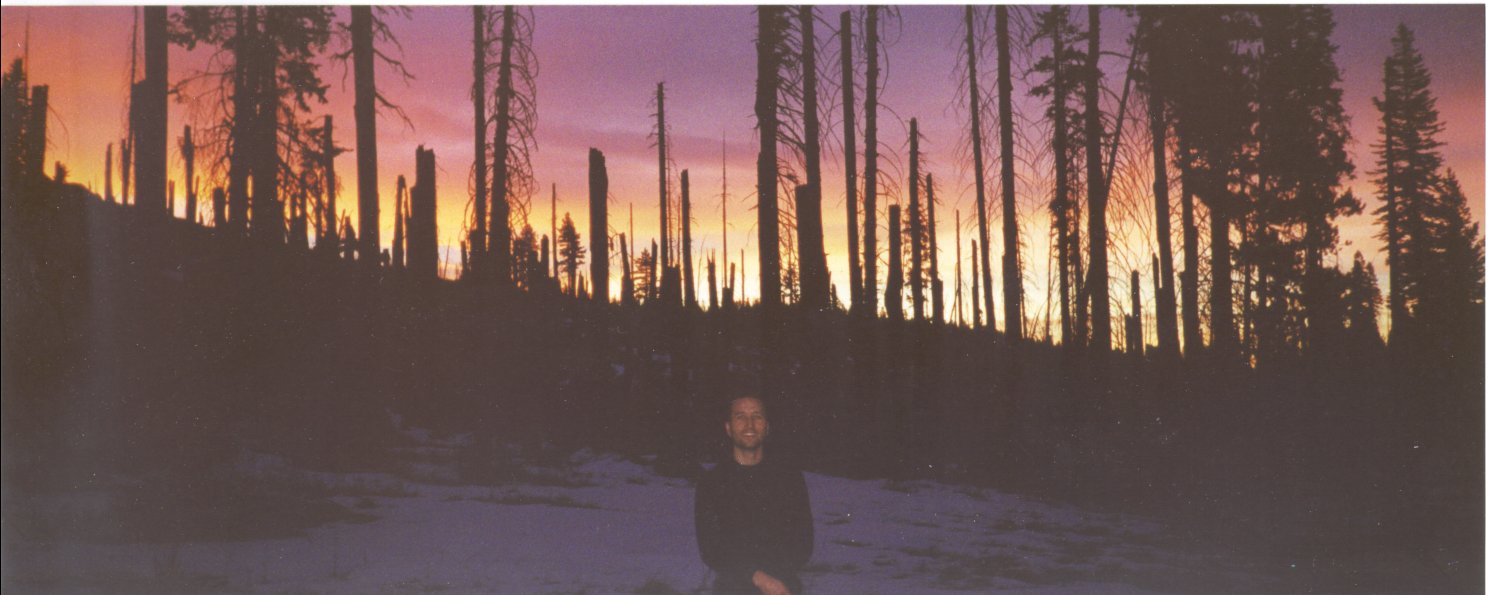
(596,523)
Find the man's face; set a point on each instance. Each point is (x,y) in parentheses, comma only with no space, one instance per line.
(747,426)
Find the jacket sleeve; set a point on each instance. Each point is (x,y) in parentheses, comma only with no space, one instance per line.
(714,547)
(797,529)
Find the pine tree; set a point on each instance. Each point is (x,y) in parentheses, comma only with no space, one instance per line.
(1303,164)
(1159,128)
(1408,161)
(571,255)
(1097,194)
(1362,299)
(975,107)
(1062,65)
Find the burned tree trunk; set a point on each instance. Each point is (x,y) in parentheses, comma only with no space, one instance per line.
(810,257)
(600,260)
(220,210)
(500,247)
(239,135)
(424,256)
(662,183)
(478,233)
(851,189)
(936,279)
(872,97)
(150,111)
(973,266)
(628,286)
(1097,198)
(686,243)
(1134,322)
(768,72)
(365,112)
(714,293)
(189,154)
(1190,300)
(918,294)
(894,280)
(978,171)
(1164,286)
(108,172)
(399,216)
(329,214)
(1014,298)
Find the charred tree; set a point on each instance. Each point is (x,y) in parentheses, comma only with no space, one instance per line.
(365,112)
(189,155)
(811,259)
(665,246)
(400,215)
(1014,299)
(851,186)
(600,259)
(686,243)
(872,152)
(149,107)
(768,81)
(894,280)
(108,172)
(936,279)
(424,256)
(976,128)
(1165,327)
(478,239)
(1097,196)
(628,286)
(918,292)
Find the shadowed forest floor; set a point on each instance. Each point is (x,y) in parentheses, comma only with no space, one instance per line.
(183,410)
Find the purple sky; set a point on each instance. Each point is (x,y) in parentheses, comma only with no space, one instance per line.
(599,67)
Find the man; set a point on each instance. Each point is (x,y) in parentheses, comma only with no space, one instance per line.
(751,512)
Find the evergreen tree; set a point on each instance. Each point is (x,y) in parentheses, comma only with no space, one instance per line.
(1303,164)
(571,254)
(1408,162)
(1362,300)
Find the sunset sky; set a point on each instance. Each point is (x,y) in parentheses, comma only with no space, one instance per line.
(599,67)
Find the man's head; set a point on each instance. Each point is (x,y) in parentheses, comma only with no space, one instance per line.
(746,426)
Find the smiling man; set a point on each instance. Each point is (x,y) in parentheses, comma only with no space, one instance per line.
(751,512)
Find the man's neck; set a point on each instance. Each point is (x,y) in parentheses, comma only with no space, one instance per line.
(747,458)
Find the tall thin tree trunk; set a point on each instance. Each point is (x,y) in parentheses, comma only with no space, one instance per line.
(851,186)
(108,172)
(500,246)
(1223,329)
(329,215)
(665,246)
(1061,205)
(1097,198)
(1190,301)
(600,255)
(918,293)
(894,280)
(365,111)
(150,129)
(239,132)
(268,224)
(686,244)
(628,286)
(937,314)
(872,154)
(424,256)
(767,82)
(812,262)
(479,105)
(978,167)
(189,155)
(714,292)
(1164,286)
(973,266)
(1014,299)
(958,265)
(399,216)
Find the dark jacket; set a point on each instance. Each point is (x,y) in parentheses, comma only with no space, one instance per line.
(753,518)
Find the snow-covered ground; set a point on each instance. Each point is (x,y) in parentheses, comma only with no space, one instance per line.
(595,523)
